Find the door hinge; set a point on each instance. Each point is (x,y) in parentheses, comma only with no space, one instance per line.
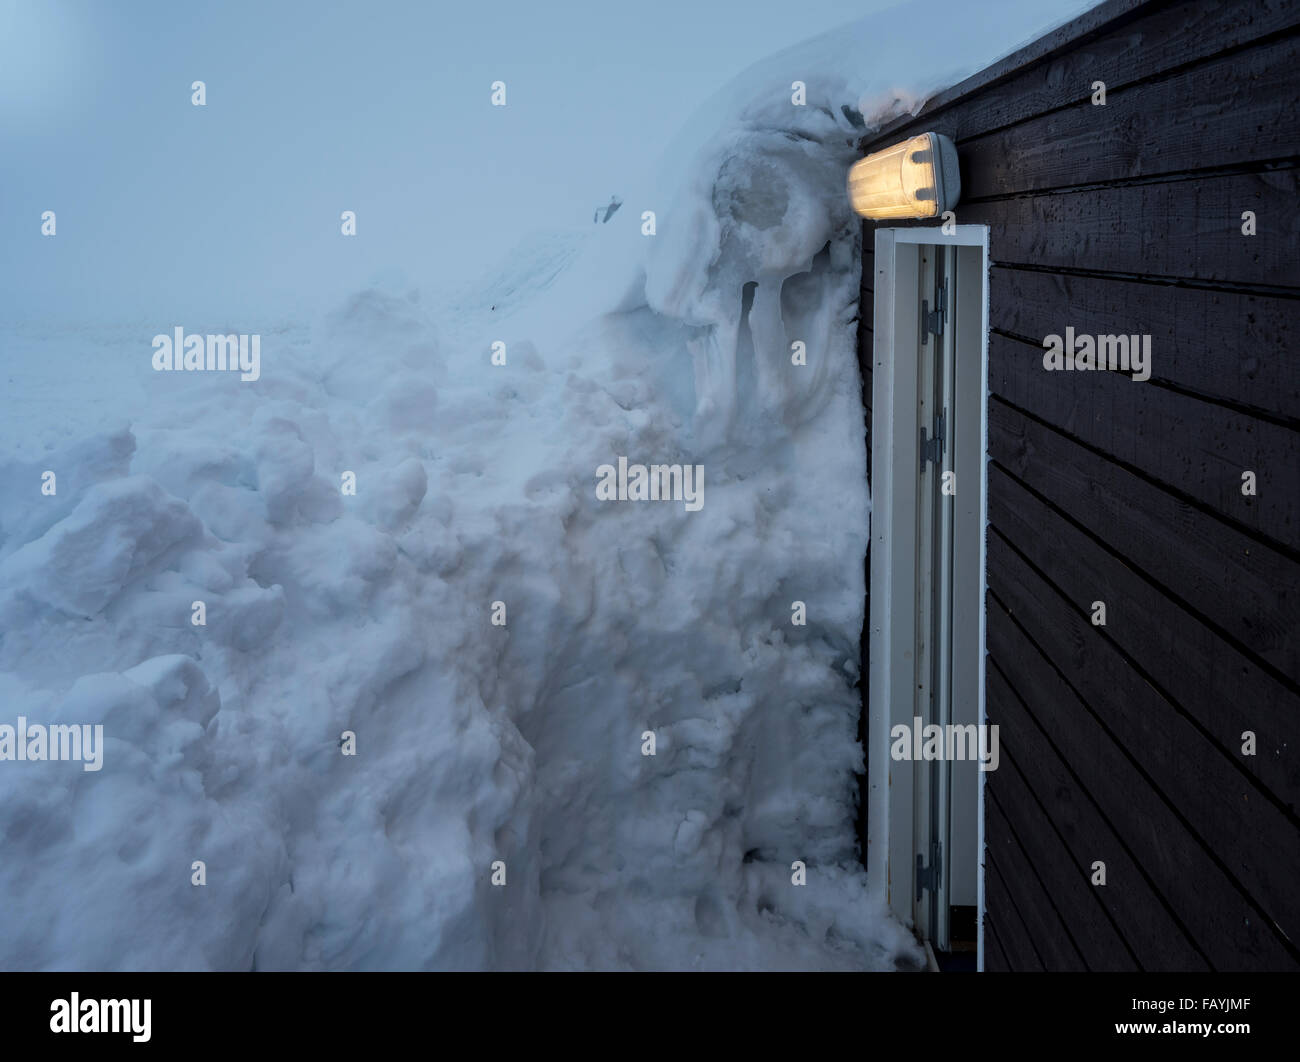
(932,447)
(928,877)
(932,320)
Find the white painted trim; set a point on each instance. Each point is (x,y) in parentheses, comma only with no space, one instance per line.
(961,236)
(878,630)
(894,432)
(984,577)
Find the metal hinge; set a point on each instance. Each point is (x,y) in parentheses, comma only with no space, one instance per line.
(932,321)
(928,877)
(932,447)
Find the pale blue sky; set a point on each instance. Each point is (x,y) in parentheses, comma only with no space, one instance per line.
(314,108)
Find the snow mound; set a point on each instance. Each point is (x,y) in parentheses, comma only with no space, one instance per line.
(118,531)
(391,545)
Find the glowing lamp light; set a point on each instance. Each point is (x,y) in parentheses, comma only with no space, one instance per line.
(915,178)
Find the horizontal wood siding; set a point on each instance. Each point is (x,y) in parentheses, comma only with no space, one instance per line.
(1122,743)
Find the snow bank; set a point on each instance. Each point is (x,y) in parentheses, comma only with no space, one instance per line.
(481,749)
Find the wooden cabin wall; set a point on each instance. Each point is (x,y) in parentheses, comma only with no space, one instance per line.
(1123,743)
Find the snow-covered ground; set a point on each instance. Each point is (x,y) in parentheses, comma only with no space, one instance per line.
(372,613)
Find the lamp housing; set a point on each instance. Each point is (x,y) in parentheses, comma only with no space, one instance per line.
(915,178)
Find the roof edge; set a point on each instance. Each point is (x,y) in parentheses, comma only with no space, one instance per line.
(1096,21)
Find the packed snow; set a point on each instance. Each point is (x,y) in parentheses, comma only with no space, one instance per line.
(482,749)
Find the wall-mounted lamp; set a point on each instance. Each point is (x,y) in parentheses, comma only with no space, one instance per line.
(915,178)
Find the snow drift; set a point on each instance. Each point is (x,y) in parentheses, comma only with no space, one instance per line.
(482,749)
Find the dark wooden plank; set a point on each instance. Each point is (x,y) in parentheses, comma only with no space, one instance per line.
(1230,819)
(1012,933)
(866,343)
(1188,229)
(995,956)
(1064,877)
(1157,939)
(1209,904)
(1191,120)
(1250,592)
(866,337)
(1192,446)
(1225,345)
(1051,936)
(1162,38)
(1217,687)
(866,315)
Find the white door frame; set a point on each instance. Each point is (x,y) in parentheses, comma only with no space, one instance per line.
(894,468)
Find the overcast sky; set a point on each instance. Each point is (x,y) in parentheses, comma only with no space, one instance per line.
(315,108)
